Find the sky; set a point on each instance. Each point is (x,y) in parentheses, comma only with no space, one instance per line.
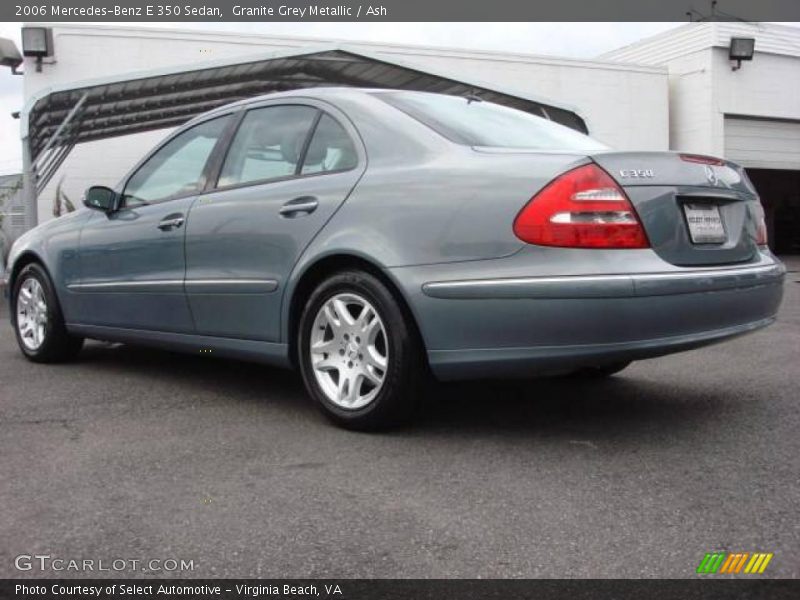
(573,40)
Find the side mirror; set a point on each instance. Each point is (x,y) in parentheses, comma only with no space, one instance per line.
(99,197)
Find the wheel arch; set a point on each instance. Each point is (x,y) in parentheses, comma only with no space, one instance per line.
(315,272)
(20,262)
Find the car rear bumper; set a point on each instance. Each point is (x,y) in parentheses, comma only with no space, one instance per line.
(526,361)
(515,326)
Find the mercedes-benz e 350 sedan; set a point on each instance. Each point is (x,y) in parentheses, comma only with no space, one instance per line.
(369,237)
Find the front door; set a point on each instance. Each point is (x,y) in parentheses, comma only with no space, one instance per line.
(133,260)
(288,169)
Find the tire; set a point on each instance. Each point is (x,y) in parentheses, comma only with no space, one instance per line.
(340,373)
(51,342)
(604,371)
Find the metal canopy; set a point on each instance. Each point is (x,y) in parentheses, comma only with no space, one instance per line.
(56,120)
(140,103)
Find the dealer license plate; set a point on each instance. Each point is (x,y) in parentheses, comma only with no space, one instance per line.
(705,223)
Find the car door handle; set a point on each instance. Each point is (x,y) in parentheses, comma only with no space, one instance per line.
(171,222)
(304,205)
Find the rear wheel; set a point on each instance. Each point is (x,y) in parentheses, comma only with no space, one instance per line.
(37,319)
(360,359)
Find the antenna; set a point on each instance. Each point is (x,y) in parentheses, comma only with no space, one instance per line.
(472,96)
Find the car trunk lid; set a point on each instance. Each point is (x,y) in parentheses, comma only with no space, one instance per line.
(696,210)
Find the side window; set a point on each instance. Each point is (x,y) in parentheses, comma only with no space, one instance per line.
(268,144)
(177,168)
(331,149)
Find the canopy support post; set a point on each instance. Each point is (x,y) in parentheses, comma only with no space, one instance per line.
(50,157)
(29,195)
(55,138)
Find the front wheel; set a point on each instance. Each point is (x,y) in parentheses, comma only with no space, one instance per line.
(360,359)
(37,319)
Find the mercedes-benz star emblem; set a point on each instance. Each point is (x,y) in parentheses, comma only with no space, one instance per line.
(711,175)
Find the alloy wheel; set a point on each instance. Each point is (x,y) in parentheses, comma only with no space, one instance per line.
(349,350)
(32,319)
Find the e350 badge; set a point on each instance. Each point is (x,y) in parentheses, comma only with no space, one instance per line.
(636,173)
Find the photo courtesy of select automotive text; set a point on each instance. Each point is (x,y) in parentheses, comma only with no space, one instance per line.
(450,300)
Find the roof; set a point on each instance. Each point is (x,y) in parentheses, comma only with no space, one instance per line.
(659,49)
(142,101)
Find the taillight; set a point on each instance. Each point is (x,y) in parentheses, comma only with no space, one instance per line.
(761,224)
(583,208)
(761,230)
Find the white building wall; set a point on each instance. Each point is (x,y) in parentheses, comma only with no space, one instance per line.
(624,105)
(662,48)
(704,88)
(691,118)
(767,86)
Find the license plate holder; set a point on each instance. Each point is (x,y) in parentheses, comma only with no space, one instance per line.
(705,223)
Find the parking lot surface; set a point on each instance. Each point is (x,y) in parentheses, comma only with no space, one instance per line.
(133,453)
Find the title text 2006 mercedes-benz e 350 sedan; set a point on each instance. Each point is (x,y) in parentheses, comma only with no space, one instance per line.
(369,237)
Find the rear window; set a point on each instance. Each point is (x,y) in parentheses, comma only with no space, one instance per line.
(481,123)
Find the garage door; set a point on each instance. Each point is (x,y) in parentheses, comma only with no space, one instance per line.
(763,144)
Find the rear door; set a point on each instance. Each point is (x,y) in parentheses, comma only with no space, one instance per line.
(287,170)
(696,210)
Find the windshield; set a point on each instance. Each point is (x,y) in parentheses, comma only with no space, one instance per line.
(481,123)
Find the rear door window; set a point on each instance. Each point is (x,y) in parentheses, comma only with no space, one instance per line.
(268,145)
(331,149)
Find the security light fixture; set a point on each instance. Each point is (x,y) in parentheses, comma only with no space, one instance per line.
(741,49)
(9,55)
(38,43)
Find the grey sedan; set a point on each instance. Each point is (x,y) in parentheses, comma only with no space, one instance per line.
(373,237)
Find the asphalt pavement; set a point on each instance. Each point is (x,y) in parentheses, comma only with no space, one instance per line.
(139,454)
